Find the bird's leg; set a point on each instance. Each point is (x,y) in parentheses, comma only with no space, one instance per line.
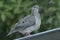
(27,33)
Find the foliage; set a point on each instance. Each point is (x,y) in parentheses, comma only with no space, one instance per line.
(13,10)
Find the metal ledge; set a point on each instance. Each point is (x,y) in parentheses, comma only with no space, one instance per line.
(53,34)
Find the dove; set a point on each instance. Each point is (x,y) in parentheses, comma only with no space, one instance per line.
(29,23)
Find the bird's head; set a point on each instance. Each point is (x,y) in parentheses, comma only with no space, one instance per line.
(35,8)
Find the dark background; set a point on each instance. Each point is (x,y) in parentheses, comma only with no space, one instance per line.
(13,10)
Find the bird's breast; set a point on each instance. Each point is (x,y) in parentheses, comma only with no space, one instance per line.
(38,21)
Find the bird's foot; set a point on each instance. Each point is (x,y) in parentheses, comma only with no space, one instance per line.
(27,33)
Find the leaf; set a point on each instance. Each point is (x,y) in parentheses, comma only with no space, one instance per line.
(7,7)
(3,17)
(13,0)
(9,15)
(58,16)
(59,3)
(1,4)
(50,20)
(51,9)
(17,6)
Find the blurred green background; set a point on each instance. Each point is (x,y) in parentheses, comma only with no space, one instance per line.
(13,10)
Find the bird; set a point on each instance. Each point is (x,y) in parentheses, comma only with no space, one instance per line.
(29,23)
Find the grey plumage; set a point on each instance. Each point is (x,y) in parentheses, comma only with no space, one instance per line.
(29,23)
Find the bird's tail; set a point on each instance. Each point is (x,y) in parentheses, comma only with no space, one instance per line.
(10,33)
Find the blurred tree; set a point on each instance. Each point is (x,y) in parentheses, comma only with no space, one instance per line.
(13,10)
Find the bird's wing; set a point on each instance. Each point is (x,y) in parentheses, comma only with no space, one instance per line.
(25,23)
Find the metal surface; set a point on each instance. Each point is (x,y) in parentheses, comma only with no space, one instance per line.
(53,34)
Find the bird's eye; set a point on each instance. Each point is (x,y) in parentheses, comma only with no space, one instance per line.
(23,22)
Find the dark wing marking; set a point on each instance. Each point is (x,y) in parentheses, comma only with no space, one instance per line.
(25,23)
